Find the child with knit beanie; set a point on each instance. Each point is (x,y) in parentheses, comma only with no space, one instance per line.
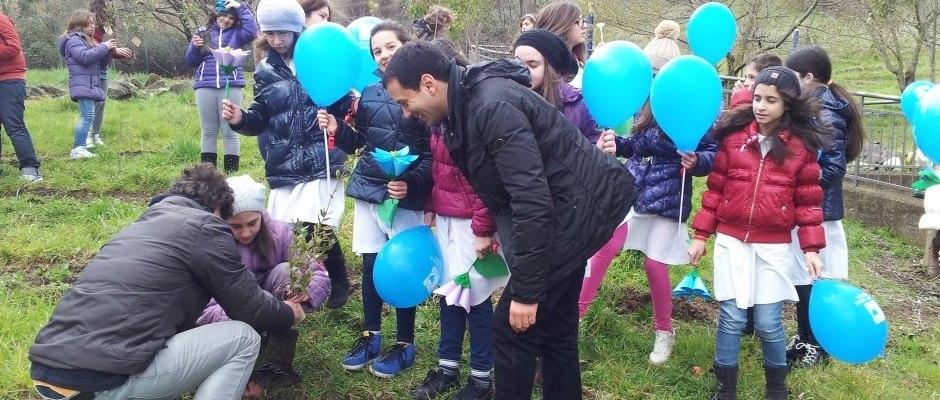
(657,221)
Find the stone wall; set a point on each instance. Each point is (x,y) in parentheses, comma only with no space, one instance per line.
(879,206)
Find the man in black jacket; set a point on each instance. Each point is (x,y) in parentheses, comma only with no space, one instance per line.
(556,200)
(126,328)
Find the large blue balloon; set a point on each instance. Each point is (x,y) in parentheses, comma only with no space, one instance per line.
(408,267)
(685,99)
(712,30)
(847,322)
(616,82)
(327,62)
(910,98)
(361,30)
(927,124)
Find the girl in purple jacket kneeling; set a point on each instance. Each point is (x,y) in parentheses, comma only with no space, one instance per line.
(263,244)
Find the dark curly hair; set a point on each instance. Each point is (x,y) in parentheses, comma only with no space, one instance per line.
(205,185)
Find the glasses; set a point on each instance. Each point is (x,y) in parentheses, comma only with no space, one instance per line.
(281,35)
(581,22)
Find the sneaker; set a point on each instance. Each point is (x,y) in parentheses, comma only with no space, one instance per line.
(795,349)
(813,355)
(30,175)
(89,142)
(662,347)
(81,152)
(98,141)
(397,358)
(436,383)
(475,391)
(366,350)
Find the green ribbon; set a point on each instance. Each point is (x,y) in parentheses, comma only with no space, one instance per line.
(463,280)
(927,179)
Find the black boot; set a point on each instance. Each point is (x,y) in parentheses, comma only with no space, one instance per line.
(335,263)
(230,163)
(278,359)
(776,382)
(727,377)
(210,158)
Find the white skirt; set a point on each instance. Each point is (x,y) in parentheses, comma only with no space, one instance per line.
(835,256)
(456,240)
(371,233)
(304,202)
(659,238)
(752,273)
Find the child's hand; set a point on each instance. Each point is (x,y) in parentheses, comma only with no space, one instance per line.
(232,4)
(738,85)
(327,121)
(197,41)
(397,189)
(606,142)
(111,44)
(689,159)
(696,251)
(231,112)
(814,263)
(123,52)
(482,245)
(429,218)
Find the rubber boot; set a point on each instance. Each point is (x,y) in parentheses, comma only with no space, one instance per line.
(931,250)
(335,263)
(277,369)
(776,382)
(230,163)
(210,158)
(727,388)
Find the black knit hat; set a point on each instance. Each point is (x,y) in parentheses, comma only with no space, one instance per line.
(551,47)
(782,77)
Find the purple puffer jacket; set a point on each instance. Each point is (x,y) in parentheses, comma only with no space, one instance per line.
(270,278)
(572,105)
(83,61)
(208,74)
(451,193)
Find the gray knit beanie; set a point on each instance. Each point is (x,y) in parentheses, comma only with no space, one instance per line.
(782,77)
(249,195)
(281,15)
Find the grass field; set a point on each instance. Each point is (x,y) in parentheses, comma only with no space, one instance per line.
(51,229)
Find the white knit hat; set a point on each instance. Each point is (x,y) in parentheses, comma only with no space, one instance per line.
(281,15)
(249,195)
(663,47)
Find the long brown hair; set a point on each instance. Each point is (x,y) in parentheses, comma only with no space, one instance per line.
(100,9)
(263,243)
(559,17)
(260,45)
(78,21)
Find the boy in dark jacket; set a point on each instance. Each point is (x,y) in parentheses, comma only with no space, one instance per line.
(126,328)
(556,200)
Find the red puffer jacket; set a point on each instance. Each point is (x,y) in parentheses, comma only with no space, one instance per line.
(452,195)
(756,200)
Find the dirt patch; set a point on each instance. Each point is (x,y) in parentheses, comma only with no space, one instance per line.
(685,310)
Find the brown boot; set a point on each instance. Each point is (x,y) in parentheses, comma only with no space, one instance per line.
(932,250)
(278,358)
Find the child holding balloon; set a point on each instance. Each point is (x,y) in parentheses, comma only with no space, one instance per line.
(656,223)
(840,113)
(380,125)
(765,181)
(302,190)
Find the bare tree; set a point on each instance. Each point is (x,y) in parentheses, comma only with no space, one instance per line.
(899,31)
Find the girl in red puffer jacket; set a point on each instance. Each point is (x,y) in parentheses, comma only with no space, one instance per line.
(764,183)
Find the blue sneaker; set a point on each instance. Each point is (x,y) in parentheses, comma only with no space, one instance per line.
(366,350)
(397,358)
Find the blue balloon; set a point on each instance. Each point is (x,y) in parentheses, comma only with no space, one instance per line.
(910,98)
(847,322)
(361,30)
(616,82)
(685,99)
(927,124)
(327,62)
(712,30)
(408,267)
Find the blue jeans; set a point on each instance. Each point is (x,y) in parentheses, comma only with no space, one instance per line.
(372,306)
(768,326)
(12,105)
(454,321)
(86,115)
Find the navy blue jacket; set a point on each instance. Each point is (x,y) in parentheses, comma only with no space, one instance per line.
(381,124)
(657,168)
(837,113)
(282,110)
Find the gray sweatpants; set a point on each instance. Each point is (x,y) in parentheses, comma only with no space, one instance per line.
(209,103)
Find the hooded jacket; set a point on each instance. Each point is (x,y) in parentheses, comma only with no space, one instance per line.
(555,197)
(147,284)
(208,73)
(84,64)
(452,195)
(284,112)
(837,113)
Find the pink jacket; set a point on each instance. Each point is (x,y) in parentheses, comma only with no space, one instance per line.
(451,193)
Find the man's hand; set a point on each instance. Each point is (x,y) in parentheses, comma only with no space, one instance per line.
(231,112)
(397,189)
(521,315)
(814,263)
(481,244)
(299,314)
